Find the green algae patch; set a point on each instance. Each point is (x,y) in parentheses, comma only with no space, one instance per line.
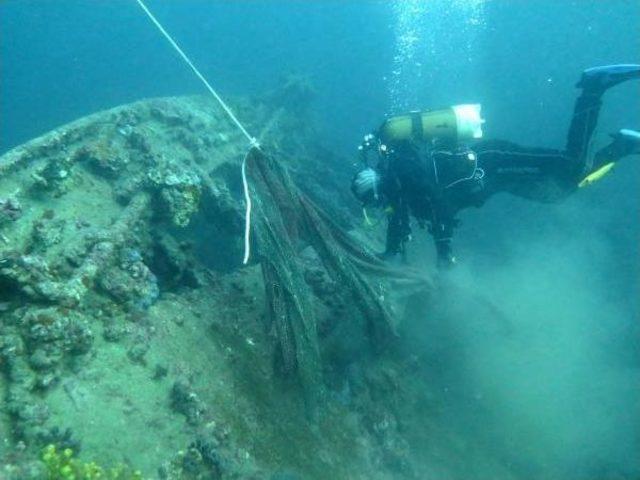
(63,466)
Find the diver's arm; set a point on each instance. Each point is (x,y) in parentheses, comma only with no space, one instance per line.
(369,188)
(442,235)
(398,229)
(441,228)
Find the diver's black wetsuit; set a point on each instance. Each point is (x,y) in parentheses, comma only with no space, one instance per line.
(434,185)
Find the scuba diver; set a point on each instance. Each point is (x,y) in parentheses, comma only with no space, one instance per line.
(431,165)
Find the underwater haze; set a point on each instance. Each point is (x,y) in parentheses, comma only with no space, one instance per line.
(527,359)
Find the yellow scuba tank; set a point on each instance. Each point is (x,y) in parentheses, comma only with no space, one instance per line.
(447,126)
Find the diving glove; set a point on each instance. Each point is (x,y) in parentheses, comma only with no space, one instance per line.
(366,186)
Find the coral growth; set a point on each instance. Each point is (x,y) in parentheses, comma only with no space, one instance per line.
(130,282)
(54,176)
(104,159)
(179,192)
(186,401)
(10,209)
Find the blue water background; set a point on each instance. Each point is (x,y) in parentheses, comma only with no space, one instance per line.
(68,58)
(64,59)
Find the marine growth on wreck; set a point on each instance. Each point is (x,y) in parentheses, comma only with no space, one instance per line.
(132,335)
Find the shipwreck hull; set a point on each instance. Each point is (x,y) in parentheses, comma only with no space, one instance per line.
(131,333)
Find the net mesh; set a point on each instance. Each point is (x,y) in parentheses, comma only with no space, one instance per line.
(284,221)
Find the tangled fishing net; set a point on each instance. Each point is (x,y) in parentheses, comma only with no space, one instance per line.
(285,221)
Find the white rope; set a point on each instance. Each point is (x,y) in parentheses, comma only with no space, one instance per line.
(253,142)
(247,214)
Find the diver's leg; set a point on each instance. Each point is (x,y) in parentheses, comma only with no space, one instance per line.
(624,143)
(594,82)
(583,123)
(599,79)
(533,173)
(546,174)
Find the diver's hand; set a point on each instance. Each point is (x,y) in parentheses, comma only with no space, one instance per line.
(387,255)
(366,185)
(446,262)
(392,259)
